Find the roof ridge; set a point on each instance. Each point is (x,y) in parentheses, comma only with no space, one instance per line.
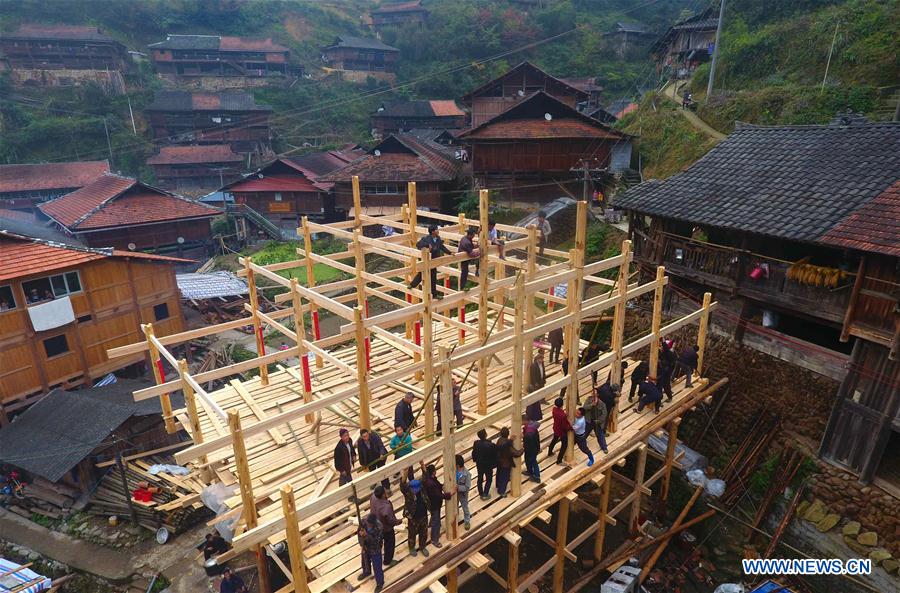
(105,251)
(102,203)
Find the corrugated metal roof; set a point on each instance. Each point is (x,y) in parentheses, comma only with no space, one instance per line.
(210,286)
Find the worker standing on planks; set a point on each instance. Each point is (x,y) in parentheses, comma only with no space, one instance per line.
(537,378)
(433,242)
(344,457)
(463,487)
(495,239)
(467,246)
(589,355)
(403,412)
(638,376)
(457,406)
(531,446)
(415,509)
(436,494)
(667,360)
(649,393)
(579,427)
(372,453)
(596,414)
(484,454)
(506,454)
(556,343)
(383,508)
(687,364)
(371,537)
(543,227)
(561,428)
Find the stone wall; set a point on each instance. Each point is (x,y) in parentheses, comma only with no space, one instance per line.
(110,81)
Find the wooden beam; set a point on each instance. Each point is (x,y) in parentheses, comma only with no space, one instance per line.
(670,459)
(618,328)
(362,375)
(165,403)
(300,336)
(449,452)
(357,202)
(638,483)
(562,532)
(656,322)
(518,385)
(193,417)
(600,536)
(512,573)
(484,271)
(701,333)
(257,326)
(294,541)
(427,346)
(178,338)
(311,282)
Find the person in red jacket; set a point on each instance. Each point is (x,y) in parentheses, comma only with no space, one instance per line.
(561,428)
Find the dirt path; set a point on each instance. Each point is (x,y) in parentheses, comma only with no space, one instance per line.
(669,92)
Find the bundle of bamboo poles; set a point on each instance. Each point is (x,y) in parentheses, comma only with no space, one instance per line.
(746,459)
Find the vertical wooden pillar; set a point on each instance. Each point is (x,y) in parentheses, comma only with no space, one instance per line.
(657,320)
(500,297)
(600,535)
(453,580)
(257,325)
(518,385)
(512,575)
(701,333)
(483,245)
(311,283)
(294,542)
(574,298)
(362,374)
(670,459)
(361,299)
(190,402)
(618,328)
(562,533)
(300,336)
(165,403)
(638,485)
(246,487)
(851,306)
(530,271)
(428,377)
(357,202)
(449,451)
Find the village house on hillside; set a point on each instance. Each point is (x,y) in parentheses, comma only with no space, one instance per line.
(191,58)
(358,58)
(533,148)
(23,187)
(686,44)
(195,169)
(403,115)
(625,37)
(393,13)
(61,307)
(64,55)
(385,169)
(231,117)
(799,226)
(123,213)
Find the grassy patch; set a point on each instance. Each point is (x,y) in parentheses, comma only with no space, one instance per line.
(281,251)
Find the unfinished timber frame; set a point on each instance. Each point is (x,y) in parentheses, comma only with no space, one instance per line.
(271,437)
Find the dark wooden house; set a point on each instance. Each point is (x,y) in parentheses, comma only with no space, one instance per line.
(61,307)
(394,14)
(626,38)
(22,187)
(798,227)
(403,116)
(501,93)
(384,170)
(686,44)
(195,168)
(184,56)
(359,58)
(230,117)
(126,214)
(533,148)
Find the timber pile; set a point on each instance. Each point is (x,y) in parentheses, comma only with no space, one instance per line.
(747,458)
(786,467)
(176,506)
(220,309)
(46,498)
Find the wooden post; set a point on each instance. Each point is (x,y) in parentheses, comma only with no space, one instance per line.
(428,375)
(500,297)
(165,403)
(447,423)
(530,272)
(462,223)
(600,535)
(574,298)
(657,321)
(362,374)
(294,542)
(854,299)
(512,575)
(311,283)
(190,403)
(518,385)
(701,333)
(618,328)
(453,581)
(257,325)
(638,486)
(483,245)
(361,300)
(670,459)
(300,334)
(357,202)
(246,487)
(562,532)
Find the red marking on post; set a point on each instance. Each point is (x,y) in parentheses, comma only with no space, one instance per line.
(262,344)
(367,308)
(418,333)
(315,316)
(162,373)
(368,363)
(462,319)
(307,383)
(408,298)
(549,302)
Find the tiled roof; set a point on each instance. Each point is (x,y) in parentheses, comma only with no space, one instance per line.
(701,25)
(210,286)
(392,7)
(360,43)
(188,101)
(69,32)
(43,176)
(247,44)
(188,42)
(316,164)
(402,157)
(792,182)
(419,108)
(875,226)
(283,182)
(527,120)
(113,201)
(212,153)
(467,98)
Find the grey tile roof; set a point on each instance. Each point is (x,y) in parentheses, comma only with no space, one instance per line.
(360,43)
(205,101)
(188,42)
(211,285)
(793,182)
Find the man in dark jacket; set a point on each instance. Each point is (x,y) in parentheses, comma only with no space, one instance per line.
(484,454)
(232,583)
(531,446)
(556,343)
(596,413)
(638,376)
(537,378)
(403,412)
(344,457)
(589,355)
(467,245)
(506,454)
(381,506)
(561,428)
(608,396)
(666,368)
(649,393)
(372,453)
(433,242)
(457,407)
(687,364)
(436,495)
(415,509)
(371,534)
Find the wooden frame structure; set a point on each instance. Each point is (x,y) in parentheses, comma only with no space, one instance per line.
(271,437)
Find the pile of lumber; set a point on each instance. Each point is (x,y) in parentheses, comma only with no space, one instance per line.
(748,457)
(176,506)
(219,310)
(45,498)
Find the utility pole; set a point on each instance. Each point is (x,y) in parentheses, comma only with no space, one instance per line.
(585,190)
(108,145)
(131,113)
(712,66)
(830,53)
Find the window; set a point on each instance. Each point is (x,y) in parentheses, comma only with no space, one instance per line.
(383,188)
(85,318)
(52,287)
(7,298)
(278,196)
(56,345)
(161,311)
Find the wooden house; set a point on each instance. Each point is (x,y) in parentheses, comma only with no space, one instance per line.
(499,94)
(799,226)
(686,44)
(384,170)
(394,14)
(533,148)
(229,117)
(186,56)
(359,58)
(287,189)
(61,307)
(124,213)
(403,116)
(195,168)
(628,37)
(23,187)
